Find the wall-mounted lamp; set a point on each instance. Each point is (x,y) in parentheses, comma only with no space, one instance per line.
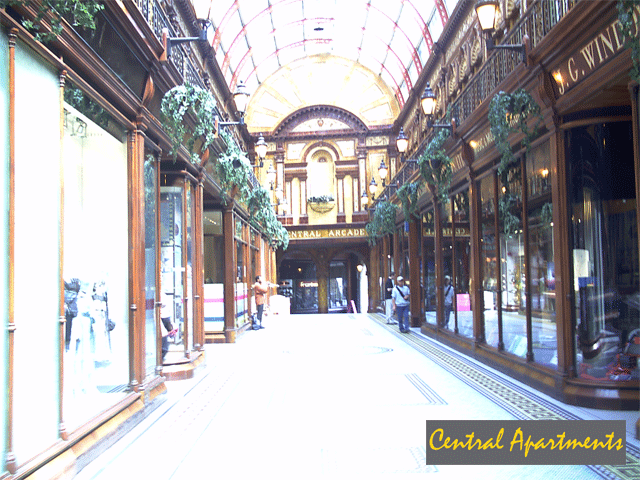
(241,99)
(364,199)
(486,11)
(261,149)
(359,267)
(383,171)
(402,142)
(373,186)
(428,103)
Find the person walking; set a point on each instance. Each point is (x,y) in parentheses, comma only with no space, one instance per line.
(260,289)
(388,291)
(400,303)
(449,291)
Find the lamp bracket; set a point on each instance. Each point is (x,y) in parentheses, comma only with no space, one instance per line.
(523,47)
(169,42)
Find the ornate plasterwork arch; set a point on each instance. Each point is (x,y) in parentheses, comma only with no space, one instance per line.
(320,112)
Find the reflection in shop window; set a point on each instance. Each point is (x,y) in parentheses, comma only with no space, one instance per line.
(95,261)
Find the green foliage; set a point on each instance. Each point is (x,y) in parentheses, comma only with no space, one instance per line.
(435,166)
(627,28)
(200,104)
(509,113)
(321,199)
(80,13)
(383,222)
(408,195)
(233,168)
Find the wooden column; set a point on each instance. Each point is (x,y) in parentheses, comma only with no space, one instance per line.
(229,275)
(135,166)
(62,429)
(438,214)
(414,273)
(322,271)
(198,268)
(561,229)
(496,229)
(374,273)
(10,458)
(477,294)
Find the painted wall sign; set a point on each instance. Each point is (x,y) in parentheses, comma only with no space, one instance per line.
(327,233)
(606,44)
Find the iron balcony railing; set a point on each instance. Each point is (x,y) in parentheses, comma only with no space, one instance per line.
(536,22)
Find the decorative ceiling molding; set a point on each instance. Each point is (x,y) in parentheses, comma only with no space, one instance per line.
(320,112)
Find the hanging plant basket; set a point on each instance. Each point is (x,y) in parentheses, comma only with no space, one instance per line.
(321,207)
(188,100)
(321,203)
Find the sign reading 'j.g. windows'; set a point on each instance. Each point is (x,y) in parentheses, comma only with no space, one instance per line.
(530,442)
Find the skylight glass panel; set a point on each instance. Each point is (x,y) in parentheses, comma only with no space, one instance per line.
(435,25)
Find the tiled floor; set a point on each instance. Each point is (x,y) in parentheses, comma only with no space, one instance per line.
(332,395)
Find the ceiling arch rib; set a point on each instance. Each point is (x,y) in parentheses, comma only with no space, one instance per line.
(262,36)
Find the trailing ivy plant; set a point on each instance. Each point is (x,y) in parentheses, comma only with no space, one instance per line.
(435,166)
(233,168)
(629,31)
(200,104)
(80,13)
(510,113)
(321,199)
(408,195)
(383,222)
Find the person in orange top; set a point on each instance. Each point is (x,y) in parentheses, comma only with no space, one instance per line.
(260,289)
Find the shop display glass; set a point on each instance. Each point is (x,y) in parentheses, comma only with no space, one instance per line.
(96,259)
(172,278)
(150,249)
(462,268)
(488,262)
(36,255)
(213,272)
(429,266)
(513,277)
(541,264)
(604,241)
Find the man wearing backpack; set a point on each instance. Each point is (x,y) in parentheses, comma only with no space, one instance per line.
(400,303)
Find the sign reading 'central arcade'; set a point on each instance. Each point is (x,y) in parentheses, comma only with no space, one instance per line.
(327,233)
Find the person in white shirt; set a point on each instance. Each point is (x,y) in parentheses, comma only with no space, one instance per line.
(400,303)
(449,291)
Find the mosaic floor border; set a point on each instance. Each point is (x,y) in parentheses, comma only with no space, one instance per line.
(519,402)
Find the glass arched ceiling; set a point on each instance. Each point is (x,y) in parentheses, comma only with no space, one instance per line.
(252,39)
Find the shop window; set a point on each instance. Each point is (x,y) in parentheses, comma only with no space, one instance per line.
(429,266)
(604,242)
(150,253)
(173,267)
(96,251)
(488,260)
(512,261)
(461,268)
(213,272)
(542,285)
